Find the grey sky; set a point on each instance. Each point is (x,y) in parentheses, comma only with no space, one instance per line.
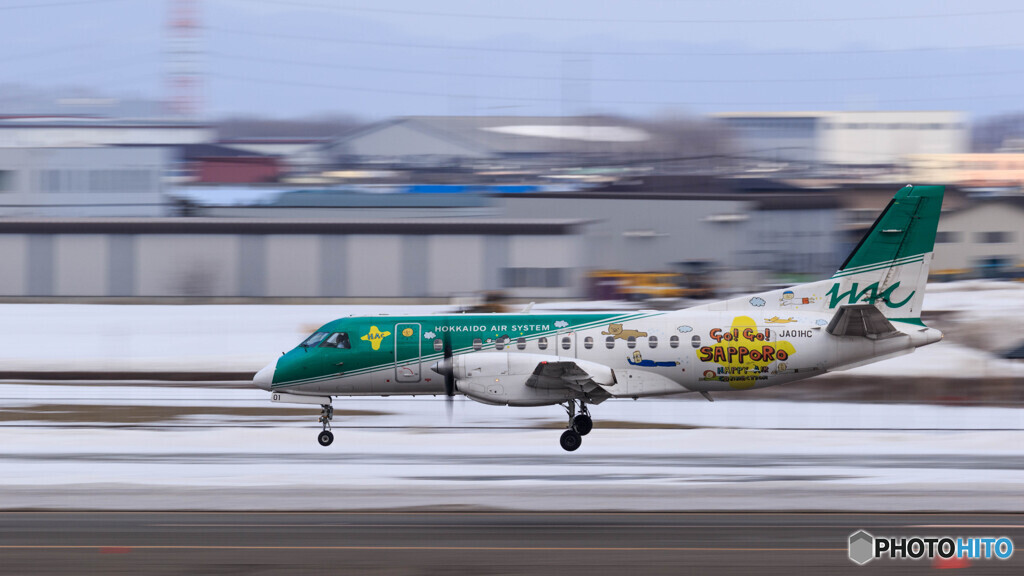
(376,58)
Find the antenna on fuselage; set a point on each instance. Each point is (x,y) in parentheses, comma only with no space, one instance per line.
(528,308)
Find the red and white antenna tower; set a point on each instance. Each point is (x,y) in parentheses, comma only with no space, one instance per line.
(183,54)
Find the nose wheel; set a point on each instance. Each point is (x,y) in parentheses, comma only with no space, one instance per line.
(326,414)
(579,426)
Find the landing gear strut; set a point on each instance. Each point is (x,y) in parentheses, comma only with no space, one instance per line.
(579,425)
(326,414)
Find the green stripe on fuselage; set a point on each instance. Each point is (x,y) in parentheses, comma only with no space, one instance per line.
(310,365)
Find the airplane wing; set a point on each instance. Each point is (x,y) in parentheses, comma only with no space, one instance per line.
(574,373)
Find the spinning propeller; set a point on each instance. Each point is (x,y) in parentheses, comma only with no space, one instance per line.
(446,368)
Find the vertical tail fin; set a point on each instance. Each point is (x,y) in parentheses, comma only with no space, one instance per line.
(890,264)
(888,268)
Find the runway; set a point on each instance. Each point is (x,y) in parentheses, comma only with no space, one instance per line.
(471,542)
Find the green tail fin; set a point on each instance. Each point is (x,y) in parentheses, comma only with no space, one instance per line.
(905,230)
(890,265)
(888,269)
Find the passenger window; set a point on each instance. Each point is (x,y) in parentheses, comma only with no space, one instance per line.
(566,342)
(521,343)
(631,342)
(477,344)
(438,345)
(674,341)
(588,342)
(542,344)
(337,340)
(652,341)
(695,341)
(610,342)
(499,344)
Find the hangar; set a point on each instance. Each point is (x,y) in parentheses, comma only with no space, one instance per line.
(214,257)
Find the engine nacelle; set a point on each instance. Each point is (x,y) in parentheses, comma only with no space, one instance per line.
(500,379)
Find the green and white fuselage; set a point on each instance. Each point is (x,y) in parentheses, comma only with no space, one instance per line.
(869,310)
(662,353)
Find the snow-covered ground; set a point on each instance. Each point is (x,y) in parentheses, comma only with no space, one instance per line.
(80,446)
(645,455)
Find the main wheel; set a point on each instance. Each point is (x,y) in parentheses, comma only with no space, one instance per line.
(571,440)
(582,424)
(325,438)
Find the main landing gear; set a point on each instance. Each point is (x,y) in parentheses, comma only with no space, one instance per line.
(579,426)
(326,414)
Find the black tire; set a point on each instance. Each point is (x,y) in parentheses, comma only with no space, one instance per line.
(325,438)
(571,440)
(582,424)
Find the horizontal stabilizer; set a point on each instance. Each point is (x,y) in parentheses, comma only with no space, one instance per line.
(861,320)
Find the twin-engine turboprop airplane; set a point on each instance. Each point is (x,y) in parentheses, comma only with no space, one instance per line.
(868,311)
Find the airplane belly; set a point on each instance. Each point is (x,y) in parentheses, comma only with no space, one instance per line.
(636,383)
(338,386)
(387,382)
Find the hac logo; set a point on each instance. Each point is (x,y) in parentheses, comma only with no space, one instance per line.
(869,295)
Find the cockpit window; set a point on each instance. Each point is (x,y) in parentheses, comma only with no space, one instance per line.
(313,340)
(337,340)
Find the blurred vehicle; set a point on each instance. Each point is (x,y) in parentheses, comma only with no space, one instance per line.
(689,280)
(492,301)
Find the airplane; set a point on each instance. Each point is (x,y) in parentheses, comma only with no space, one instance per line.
(869,310)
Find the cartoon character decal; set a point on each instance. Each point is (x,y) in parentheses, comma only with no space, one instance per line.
(638,360)
(623,334)
(744,353)
(790,299)
(777,320)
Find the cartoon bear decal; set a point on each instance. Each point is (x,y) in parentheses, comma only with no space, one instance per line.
(623,334)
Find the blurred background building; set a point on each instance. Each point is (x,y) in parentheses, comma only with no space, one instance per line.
(592,183)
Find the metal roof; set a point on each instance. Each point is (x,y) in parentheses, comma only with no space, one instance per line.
(44,121)
(418,226)
(521,134)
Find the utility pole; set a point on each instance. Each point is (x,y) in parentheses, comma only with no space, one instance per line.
(184,82)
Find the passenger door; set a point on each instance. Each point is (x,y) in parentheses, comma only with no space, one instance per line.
(408,351)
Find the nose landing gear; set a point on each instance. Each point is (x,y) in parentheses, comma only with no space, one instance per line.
(579,426)
(326,414)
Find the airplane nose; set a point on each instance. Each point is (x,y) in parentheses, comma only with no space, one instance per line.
(265,377)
